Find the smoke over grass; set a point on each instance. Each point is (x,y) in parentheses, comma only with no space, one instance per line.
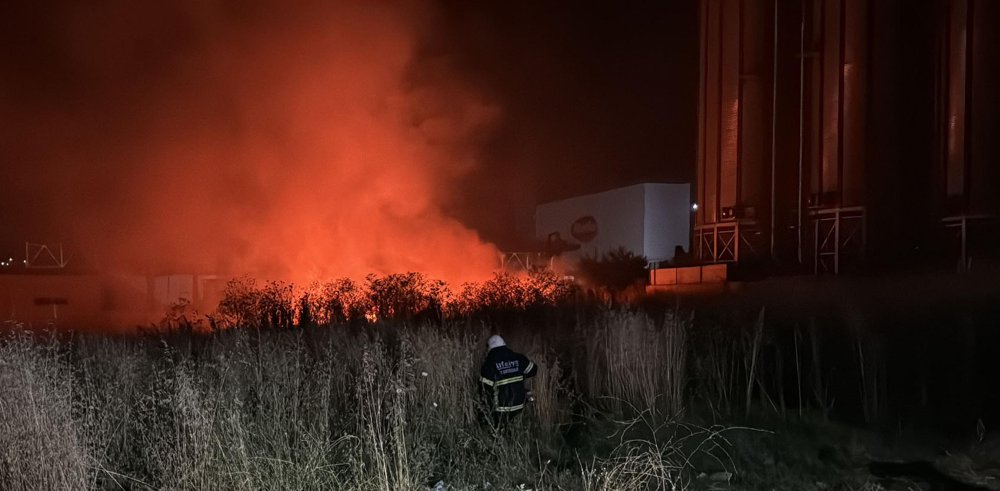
(238,137)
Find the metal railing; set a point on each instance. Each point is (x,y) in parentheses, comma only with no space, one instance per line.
(724,242)
(718,242)
(839,235)
(961,225)
(526,261)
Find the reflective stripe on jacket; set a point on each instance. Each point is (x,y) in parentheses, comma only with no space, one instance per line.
(502,379)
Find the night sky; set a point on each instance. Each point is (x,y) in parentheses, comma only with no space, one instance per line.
(224,135)
(592,99)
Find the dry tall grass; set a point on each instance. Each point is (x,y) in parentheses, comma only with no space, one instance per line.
(41,447)
(384,407)
(636,362)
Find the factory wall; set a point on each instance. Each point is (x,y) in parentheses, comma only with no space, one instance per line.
(667,220)
(647,219)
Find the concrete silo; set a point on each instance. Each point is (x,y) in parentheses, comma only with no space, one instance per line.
(832,131)
(967,124)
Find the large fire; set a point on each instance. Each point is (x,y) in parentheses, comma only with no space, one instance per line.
(295,144)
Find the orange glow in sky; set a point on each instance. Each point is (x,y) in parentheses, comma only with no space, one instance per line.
(291,144)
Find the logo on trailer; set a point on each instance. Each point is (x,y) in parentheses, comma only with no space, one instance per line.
(584,229)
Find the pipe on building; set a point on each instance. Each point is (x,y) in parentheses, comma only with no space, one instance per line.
(802,82)
(774,129)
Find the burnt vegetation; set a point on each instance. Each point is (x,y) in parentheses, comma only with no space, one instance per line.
(396,298)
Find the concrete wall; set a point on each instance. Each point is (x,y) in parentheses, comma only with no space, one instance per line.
(106,302)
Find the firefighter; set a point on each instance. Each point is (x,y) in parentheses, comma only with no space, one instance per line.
(502,379)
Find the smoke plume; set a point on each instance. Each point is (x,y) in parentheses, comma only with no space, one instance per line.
(286,140)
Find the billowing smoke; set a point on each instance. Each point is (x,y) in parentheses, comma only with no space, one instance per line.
(286,140)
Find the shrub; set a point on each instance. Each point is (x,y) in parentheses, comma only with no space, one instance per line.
(613,273)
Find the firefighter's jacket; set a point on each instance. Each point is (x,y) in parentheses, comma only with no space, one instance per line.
(502,379)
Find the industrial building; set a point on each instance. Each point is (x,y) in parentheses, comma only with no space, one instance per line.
(848,134)
(650,219)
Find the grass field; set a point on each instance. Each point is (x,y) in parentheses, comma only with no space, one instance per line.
(359,387)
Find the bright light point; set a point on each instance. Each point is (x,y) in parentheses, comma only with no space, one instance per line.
(694,206)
